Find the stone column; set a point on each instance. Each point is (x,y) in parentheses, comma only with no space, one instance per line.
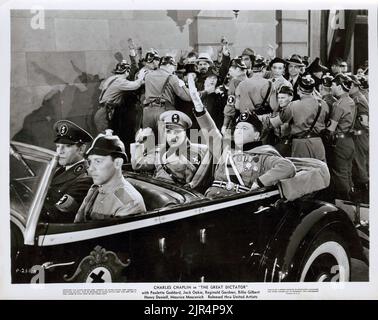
(292,32)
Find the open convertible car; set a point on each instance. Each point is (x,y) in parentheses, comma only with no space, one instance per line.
(255,236)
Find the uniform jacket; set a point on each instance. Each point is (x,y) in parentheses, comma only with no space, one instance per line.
(188,166)
(154,82)
(115,86)
(280,131)
(362,106)
(251,92)
(115,199)
(343,113)
(302,113)
(365,93)
(262,164)
(67,191)
(229,109)
(330,100)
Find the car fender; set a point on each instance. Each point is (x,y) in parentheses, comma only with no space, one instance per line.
(300,225)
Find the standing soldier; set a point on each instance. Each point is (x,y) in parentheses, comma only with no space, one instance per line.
(151,62)
(252,94)
(238,73)
(112,93)
(361,140)
(342,119)
(162,87)
(277,67)
(307,118)
(70,182)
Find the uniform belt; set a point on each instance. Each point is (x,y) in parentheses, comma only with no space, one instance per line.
(230,186)
(306,135)
(343,135)
(359,132)
(157,102)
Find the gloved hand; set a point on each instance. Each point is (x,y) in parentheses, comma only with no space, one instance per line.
(142,134)
(198,106)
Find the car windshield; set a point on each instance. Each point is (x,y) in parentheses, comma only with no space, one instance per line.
(27,165)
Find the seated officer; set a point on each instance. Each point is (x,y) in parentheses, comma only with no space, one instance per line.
(111,195)
(70,182)
(250,165)
(178,160)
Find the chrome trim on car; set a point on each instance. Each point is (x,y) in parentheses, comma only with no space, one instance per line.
(36,206)
(61,238)
(49,265)
(18,223)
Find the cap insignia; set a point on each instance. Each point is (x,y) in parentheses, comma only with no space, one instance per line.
(175,118)
(63,130)
(243,116)
(79,168)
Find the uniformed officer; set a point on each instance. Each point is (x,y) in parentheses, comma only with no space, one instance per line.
(342,118)
(361,139)
(178,160)
(151,62)
(70,182)
(277,67)
(307,119)
(162,87)
(238,73)
(252,92)
(250,165)
(112,92)
(111,196)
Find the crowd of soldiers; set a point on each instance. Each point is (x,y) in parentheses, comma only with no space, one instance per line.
(252,112)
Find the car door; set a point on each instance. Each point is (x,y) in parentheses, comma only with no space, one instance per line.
(116,250)
(232,229)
